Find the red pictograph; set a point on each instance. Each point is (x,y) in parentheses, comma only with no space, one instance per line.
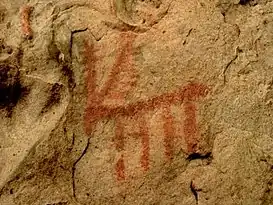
(120,82)
(25,21)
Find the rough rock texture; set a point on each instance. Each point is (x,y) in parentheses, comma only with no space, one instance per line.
(136,102)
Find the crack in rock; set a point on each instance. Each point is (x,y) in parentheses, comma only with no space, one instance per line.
(194,191)
(74,166)
(238,50)
(67,65)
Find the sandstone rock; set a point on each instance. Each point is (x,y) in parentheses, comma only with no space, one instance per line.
(136,102)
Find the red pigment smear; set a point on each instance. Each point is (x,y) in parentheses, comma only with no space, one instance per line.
(90,65)
(93,111)
(25,21)
(168,126)
(95,99)
(119,141)
(92,97)
(123,82)
(177,97)
(119,135)
(190,126)
(123,68)
(190,122)
(120,169)
(193,91)
(123,64)
(144,133)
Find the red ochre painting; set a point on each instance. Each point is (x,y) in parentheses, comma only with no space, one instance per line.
(25,21)
(120,82)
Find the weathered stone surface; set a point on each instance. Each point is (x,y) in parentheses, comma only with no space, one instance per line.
(136,102)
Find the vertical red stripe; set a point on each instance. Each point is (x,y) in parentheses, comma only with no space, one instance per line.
(144,133)
(120,169)
(190,126)
(90,66)
(119,134)
(168,127)
(25,21)
(119,141)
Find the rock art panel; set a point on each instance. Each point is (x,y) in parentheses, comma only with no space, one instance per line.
(120,82)
(136,102)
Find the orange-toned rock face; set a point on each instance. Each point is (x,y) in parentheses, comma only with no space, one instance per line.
(136,102)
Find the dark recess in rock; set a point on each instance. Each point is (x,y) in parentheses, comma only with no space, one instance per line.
(11,89)
(243,2)
(199,156)
(251,2)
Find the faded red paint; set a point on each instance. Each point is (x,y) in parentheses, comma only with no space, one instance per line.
(174,98)
(120,169)
(190,123)
(168,126)
(144,133)
(190,126)
(25,21)
(121,71)
(119,142)
(92,97)
(119,135)
(121,80)
(119,83)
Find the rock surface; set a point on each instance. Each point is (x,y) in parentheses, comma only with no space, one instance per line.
(136,102)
